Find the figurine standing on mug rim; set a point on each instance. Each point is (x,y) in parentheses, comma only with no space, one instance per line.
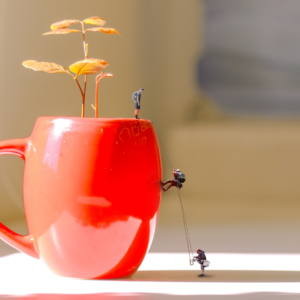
(136,97)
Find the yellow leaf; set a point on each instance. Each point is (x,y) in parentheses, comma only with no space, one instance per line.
(105,30)
(88,66)
(94,21)
(45,67)
(63,24)
(62,31)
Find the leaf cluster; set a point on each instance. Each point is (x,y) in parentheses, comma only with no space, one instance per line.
(62,26)
(82,67)
(86,66)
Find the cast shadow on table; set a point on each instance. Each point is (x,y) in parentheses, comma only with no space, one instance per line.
(216,276)
(115,296)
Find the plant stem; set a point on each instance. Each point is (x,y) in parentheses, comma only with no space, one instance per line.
(79,86)
(98,78)
(85,77)
(96,99)
(83,35)
(83,98)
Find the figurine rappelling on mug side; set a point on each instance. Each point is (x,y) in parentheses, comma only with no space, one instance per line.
(179,179)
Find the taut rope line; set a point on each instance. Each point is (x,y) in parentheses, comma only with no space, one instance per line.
(187,236)
(186,230)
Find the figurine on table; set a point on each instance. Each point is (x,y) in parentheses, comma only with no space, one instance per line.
(179,179)
(201,259)
(136,97)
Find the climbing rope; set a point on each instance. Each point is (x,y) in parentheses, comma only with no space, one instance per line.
(186,230)
(165,152)
(187,236)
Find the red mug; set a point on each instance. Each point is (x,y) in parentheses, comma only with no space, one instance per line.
(91,194)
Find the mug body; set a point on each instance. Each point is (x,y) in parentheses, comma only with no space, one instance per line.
(92,194)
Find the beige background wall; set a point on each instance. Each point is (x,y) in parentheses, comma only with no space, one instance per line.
(242,191)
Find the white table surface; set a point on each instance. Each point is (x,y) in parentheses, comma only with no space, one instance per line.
(163,275)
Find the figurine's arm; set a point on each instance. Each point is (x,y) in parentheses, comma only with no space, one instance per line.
(138,99)
(196,258)
(175,174)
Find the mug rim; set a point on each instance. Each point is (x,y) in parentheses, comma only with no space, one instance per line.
(94,120)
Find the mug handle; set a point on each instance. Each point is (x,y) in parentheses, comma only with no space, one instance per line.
(23,243)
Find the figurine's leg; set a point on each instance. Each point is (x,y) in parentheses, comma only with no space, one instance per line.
(168,181)
(162,185)
(172,184)
(136,113)
(202,269)
(167,187)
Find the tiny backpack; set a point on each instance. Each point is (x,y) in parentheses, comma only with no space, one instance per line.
(134,96)
(181,178)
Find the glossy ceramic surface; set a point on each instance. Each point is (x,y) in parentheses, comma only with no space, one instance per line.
(91,194)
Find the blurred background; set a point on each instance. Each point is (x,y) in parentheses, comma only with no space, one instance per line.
(222,87)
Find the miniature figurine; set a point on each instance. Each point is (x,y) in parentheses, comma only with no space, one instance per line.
(179,179)
(136,97)
(201,259)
